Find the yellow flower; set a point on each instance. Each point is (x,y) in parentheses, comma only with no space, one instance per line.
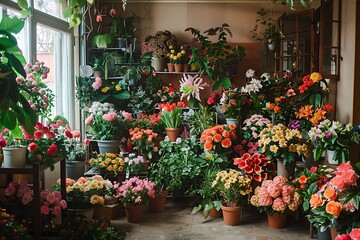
(86,189)
(171,47)
(94,199)
(179,55)
(275,138)
(227,185)
(175,57)
(118,88)
(172,51)
(282,143)
(292,148)
(183,52)
(315,77)
(274,148)
(105,89)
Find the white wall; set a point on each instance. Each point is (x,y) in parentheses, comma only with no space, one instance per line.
(345,87)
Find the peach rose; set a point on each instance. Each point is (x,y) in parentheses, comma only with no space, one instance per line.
(338,183)
(330,193)
(316,201)
(344,166)
(349,177)
(333,208)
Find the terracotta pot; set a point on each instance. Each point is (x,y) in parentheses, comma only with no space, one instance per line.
(186,67)
(134,213)
(178,67)
(173,133)
(170,67)
(157,204)
(215,213)
(277,220)
(232,215)
(333,232)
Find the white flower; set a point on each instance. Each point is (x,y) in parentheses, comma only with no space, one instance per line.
(253,86)
(265,77)
(250,73)
(178,140)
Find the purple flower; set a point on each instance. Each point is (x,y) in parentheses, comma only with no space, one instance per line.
(294,124)
(328,134)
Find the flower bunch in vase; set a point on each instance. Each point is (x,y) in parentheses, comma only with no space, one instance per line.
(337,202)
(233,187)
(111,162)
(45,144)
(105,123)
(135,191)
(75,150)
(219,138)
(279,141)
(85,191)
(255,166)
(313,89)
(334,136)
(276,196)
(144,141)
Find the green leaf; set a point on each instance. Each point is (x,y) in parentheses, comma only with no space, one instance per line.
(12,25)
(68,11)
(90,1)
(25,12)
(22,4)
(8,119)
(196,209)
(123,94)
(74,21)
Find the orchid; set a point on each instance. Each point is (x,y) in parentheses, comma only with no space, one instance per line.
(190,86)
(253,86)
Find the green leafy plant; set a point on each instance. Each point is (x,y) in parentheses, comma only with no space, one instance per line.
(215,57)
(103,40)
(199,120)
(123,27)
(171,114)
(15,111)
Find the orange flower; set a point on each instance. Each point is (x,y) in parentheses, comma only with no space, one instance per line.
(226,143)
(328,107)
(217,138)
(209,139)
(316,201)
(271,106)
(208,146)
(226,134)
(232,126)
(279,99)
(333,208)
(303,179)
(305,112)
(318,116)
(277,109)
(330,193)
(203,138)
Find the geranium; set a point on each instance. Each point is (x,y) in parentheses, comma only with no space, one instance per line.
(232,186)
(280,141)
(111,162)
(135,191)
(254,166)
(253,126)
(45,144)
(17,192)
(337,202)
(105,123)
(134,163)
(171,114)
(85,190)
(334,136)
(276,196)
(190,87)
(10,228)
(213,99)
(144,141)
(35,89)
(232,103)
(219,138)
(309,181)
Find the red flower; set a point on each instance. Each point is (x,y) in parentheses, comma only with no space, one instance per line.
(99,18)
(68,133)
(52,149)
(112,12)
(32,147)
(50,135)
(38,134)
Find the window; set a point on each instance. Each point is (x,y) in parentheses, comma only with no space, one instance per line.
(47,38)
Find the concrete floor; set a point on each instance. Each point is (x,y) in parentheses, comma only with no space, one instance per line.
(176,223)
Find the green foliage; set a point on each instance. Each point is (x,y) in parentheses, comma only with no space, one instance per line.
(85,93)
(123,27)
(199,120)
(173,118)
(214,58)
(103,40)
(14,109)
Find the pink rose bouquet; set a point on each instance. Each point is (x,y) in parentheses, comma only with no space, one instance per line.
(17,192)
(276,196)
(135,191)
(52,205)
(337,202)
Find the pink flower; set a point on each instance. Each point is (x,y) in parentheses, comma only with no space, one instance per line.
(111,116)
(44,210)
(68,133)
(63,204)
(89,119)
(112,12)
(273,190)
(36,68)
(96,85)
(45,99)
(349,177)
(127,115)
(19,79)
(87,142)
(10,190)
(338,183)
(34,84)
(38,134)
(313,169)
(76,134)
(349,207)
(343,237)
(52,149)
(355,234)
(2,142)
(290,93)
(279,205)
(32,147)
(42,91)
(50,135)
(343,167)
(27,198)
(51,198)
(57,211)
(99,18)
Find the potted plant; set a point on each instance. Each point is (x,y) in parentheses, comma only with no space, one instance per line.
(123,29)
(266,30)
(103,40)
(233,103)
(215,57)
(134,193)
(143,140)
(276,197)
(171,116)
(100,66)
(234,189)
(111,163)
(13,152)
(199,120)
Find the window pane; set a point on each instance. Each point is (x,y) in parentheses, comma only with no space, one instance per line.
(51,7)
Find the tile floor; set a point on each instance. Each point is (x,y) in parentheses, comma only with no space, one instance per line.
(176,223)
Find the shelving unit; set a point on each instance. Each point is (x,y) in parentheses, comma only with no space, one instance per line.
(35,170)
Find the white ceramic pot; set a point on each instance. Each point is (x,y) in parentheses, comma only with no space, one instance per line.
(330,157)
